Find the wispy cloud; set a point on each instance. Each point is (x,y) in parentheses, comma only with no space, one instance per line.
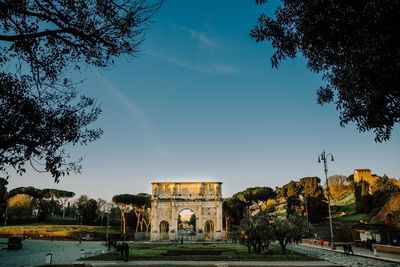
(203,38)
(213,68)
(143,121)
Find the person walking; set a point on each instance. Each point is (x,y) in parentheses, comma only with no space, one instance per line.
(350,249)
(321,242)
(345,247)
(109,244)
(121,249)
(126,251)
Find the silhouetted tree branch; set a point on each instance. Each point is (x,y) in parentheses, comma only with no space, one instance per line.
(354,45)
(41,111)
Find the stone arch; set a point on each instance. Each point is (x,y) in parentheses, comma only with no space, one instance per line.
(184,208)
(186,228)
(179,210)
(164,231)
(209,230)
(204,199)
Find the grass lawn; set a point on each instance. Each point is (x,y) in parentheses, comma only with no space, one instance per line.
(52,230)
(201,252)
(345,199)
(346,204)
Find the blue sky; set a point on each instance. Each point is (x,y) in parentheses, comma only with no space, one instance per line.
(201,102)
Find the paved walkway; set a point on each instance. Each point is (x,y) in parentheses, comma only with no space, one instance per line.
(212,263)
(392,257)
(361,257)
(35,251)
(331,258)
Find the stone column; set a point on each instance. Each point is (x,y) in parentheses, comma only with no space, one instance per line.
(154,234)
(218,227)
(174,222)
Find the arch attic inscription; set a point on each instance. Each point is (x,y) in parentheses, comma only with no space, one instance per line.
(168,199)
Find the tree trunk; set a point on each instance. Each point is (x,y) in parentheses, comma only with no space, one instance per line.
(226,227)
(137,213)
(147,222)
(141,215)
(142,219)
(123,225)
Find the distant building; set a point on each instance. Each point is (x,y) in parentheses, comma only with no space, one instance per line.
(364,175)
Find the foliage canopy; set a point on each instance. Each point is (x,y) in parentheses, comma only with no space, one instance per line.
(354,45)
(254,197)
(41,111)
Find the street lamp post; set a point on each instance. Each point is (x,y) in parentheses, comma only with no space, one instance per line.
(323,157)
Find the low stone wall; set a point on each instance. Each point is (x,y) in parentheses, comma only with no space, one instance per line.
(310,241)
(315,242)
(387,248)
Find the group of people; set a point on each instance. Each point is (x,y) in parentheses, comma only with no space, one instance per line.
(347,249)
(123,248)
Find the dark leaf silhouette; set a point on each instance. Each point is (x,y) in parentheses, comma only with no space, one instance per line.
(354,45)
(41,112)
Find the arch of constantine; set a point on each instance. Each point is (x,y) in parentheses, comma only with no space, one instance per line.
(168,199)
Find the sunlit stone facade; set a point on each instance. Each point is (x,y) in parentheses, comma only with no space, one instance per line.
(364,175)
(170,198)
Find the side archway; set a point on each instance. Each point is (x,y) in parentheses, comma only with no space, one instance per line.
(164,230)
(209,230)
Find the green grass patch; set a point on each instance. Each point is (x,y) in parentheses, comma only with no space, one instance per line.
(202,252)
(345,199)
(53,230)
(346,211)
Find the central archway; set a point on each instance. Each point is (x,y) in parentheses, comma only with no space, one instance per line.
(186,224)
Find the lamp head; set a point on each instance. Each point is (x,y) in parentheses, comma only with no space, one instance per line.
(319,159)
(332,159)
